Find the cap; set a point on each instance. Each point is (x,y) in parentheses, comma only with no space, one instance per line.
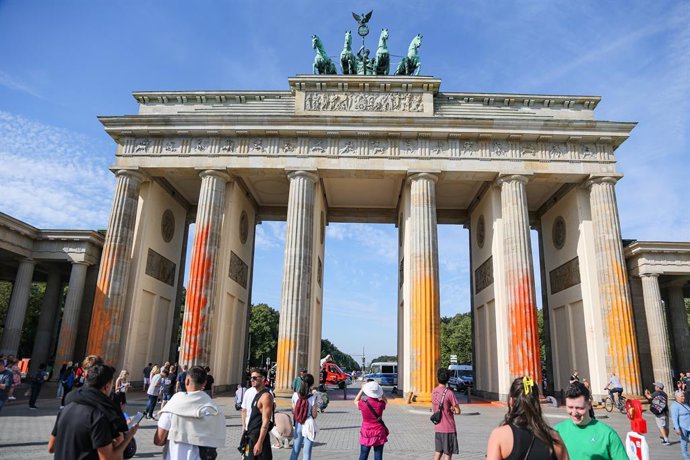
(658,384)
(303,369)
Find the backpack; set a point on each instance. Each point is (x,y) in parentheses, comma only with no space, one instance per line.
(301,411)
(658,405)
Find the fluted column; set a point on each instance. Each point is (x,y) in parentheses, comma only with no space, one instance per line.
(46,320)
(111,288)
(614,292)
(199,307)
(679,323)
(293,329)
(69,327)
(425,314)
(659,343)
(524,350)
(16,312)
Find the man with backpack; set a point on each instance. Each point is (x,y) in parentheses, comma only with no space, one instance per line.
(658,405)
(37,380)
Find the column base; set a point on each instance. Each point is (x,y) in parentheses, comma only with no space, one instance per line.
(283,392)
(422,398)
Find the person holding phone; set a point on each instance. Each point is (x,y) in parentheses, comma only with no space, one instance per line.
(72,438)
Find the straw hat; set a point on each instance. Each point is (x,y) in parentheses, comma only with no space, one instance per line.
(373,390)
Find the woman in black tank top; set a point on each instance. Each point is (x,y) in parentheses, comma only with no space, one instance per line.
(523,434)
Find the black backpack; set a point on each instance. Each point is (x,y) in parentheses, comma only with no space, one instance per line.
(658,404)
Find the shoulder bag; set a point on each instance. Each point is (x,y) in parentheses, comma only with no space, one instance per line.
(378,417)
(436,416)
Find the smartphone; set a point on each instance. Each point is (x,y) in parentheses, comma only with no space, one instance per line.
(135,420)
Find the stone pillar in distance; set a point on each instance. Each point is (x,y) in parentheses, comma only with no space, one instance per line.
(111,289)
(679,323)
(524,350)
(614,293)
(46,320)
(293,329)
(659,343)
(70,315)
(16,312)
(196,325)
(425,313)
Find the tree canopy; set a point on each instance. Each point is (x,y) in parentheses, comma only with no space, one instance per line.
(385,358)
(343,360)
(263,334)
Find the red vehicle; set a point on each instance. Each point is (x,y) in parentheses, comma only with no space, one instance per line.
(331,374)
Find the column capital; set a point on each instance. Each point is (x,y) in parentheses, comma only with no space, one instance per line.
(220,174)
(595,180)
(81,262)
(426,175)
(311,175)
(135,174)
(649,275)
(505,178)
(27,260)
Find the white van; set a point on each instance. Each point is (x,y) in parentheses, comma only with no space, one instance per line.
(461,376)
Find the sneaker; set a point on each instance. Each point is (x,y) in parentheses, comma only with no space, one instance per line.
(62,407)
(11,398)
(33,407)
(666,443)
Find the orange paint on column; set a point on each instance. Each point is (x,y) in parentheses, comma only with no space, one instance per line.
(524,336)
(425,340)
(196,311)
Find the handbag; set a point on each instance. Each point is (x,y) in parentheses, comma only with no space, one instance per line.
(378,418)
(436,416)
(208,453)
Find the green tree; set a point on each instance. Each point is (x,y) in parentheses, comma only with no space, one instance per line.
(263,334)
(385,358)
(456,338)
(33,310)
(343,360)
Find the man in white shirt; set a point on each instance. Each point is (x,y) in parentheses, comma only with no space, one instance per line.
(153,391)
(190,421)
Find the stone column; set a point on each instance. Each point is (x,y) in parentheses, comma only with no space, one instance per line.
(524,350)
(46,320)
(659,343)
(679,323)
(199,306)
(69,327)
(425,313)
(614,292)
(113,276)
(16,312)
(293,329)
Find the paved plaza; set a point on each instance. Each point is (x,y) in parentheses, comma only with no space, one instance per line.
(24,433)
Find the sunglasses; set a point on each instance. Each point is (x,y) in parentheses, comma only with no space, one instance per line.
(256,377)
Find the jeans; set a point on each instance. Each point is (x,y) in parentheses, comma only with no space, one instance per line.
(613,391)
(364,452)
(684,444)
(2,403)
(299,439)
(151,405)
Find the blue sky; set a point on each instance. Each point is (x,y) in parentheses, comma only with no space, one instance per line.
(64,63)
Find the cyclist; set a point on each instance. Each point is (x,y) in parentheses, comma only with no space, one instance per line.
(614,386)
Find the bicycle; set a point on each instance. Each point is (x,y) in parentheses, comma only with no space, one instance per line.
(609,403)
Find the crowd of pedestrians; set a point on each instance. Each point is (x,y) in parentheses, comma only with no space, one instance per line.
(93,420)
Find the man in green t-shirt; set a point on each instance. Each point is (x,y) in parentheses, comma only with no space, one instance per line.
(297,383)
(585,437)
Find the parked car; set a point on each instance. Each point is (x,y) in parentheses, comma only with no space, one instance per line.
(462,377)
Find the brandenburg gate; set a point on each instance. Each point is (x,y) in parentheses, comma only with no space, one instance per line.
(360,148)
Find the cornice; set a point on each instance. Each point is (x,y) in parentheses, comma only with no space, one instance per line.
(324,126)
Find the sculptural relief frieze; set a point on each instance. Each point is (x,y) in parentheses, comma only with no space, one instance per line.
(362,102)
(346,147)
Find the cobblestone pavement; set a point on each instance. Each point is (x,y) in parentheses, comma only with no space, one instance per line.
(24,433)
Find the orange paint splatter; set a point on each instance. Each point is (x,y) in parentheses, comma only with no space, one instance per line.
(194,325)
(524,357)
(425,336)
